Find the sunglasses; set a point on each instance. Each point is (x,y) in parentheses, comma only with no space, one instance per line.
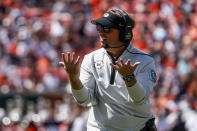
(105,29)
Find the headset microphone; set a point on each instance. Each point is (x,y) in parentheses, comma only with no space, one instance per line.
(107,46)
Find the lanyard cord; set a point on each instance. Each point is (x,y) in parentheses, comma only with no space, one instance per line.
(113,71)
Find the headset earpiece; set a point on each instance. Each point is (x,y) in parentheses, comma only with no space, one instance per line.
(126,32)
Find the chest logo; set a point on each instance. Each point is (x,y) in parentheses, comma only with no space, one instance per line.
(99,64)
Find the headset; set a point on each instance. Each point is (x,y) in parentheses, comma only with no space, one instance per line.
(126,33)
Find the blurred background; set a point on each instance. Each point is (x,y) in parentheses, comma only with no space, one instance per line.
(34,90)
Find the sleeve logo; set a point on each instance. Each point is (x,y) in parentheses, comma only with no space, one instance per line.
(152,75)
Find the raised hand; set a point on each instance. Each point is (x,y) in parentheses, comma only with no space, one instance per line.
(125,69)
(71,64)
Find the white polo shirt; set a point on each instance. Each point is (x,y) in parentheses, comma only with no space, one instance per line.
(115,107)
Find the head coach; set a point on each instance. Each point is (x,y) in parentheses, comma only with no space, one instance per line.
(115,80)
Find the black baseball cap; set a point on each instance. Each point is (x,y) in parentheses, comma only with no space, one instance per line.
(110,19)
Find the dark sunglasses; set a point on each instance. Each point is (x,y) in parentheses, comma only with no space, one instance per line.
(105,29)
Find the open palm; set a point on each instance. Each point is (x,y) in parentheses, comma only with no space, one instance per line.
(125,69)
(71,64)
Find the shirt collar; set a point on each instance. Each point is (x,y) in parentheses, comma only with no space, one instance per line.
(129,47)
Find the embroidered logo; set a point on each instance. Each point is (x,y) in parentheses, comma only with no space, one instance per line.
(120,24)
(99,64)
(152,75)
(106,15)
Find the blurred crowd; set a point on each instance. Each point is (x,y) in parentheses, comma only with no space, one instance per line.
(34,90)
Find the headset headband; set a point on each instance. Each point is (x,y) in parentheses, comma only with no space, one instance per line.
(125,33)
(125,17)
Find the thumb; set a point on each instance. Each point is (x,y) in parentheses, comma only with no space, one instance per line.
(136,64)
(62,64)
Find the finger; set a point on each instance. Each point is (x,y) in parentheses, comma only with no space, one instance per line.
(62,63)
(77,61)
(128,62)
(69,57)
(136,64)
(117,63)
(63,57)
(114,66)
(73,60)
(121,60)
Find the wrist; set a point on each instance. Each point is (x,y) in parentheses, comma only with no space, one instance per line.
(130,80)
(73,77)
(131,83)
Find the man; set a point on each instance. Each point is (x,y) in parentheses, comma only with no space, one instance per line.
(116,80)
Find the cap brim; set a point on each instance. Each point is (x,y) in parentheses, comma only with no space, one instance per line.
(104,22)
